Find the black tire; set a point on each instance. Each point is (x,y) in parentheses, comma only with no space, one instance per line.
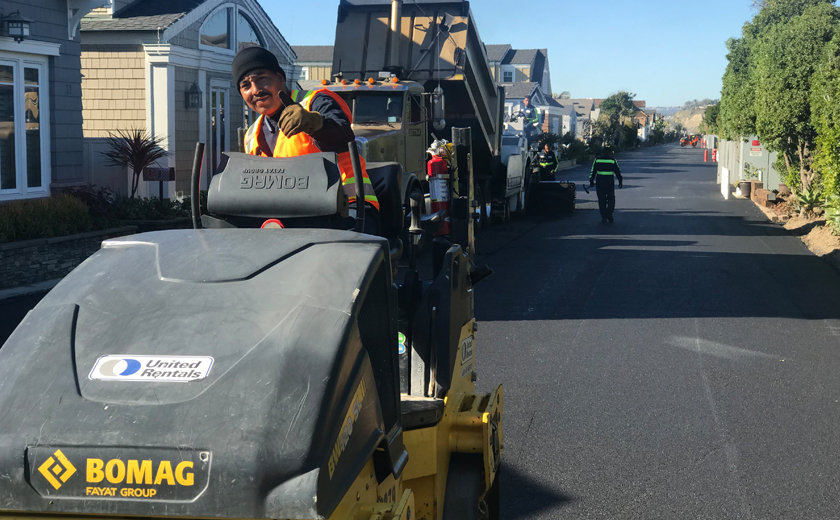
(464,486)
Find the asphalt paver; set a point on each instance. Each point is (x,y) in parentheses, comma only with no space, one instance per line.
(681,362)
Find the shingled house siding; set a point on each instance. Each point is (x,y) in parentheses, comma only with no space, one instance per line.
(113,88)
(186,128)
(64,87)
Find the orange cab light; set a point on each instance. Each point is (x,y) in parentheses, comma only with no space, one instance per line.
(371,81)
(344,82)
(395,79)
(323,82)
(357,81)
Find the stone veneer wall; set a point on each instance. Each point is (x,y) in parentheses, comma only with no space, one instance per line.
(39,260)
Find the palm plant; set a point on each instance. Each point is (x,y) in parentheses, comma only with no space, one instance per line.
(135,148)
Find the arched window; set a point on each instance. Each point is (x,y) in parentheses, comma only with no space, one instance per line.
(228,29)
(246,34)
(215,32)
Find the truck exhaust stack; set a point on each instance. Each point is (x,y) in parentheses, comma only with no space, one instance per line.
(396,34)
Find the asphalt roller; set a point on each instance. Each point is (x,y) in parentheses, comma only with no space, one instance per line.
(230,371)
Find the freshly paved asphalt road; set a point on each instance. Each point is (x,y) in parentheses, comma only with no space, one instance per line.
(683,362)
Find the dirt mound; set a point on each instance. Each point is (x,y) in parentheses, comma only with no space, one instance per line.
(690,118)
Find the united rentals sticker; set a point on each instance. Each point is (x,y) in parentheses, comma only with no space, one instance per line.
(119,473)
(167,369)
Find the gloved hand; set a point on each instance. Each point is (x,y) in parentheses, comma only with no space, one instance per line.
(295,119)
(620,185)
(591,184)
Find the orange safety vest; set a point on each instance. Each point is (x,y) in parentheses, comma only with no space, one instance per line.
(302,144)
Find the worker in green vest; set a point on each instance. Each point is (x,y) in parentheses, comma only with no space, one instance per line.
(548,163)
(605,170)
(530,119)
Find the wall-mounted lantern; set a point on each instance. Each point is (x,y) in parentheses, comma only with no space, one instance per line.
(16,26)
(194,96)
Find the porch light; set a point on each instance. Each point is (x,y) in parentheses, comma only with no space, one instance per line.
(194,96)
(17,26)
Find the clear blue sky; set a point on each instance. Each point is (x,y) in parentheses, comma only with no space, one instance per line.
(665,51)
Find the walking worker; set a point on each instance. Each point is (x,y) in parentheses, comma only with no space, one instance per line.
(317,121)
(605,170)
(548,163)
(530,119)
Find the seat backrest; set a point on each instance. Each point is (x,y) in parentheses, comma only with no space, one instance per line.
(386,178)
(265,187)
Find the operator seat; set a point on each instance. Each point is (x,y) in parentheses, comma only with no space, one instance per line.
(320,204)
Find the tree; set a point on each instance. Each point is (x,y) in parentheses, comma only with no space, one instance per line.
(710,119)
(134,148)
(825,117)
(785,61)
(615,110)
(737,103)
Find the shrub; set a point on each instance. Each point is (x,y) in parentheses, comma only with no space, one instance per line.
(832,214)
(148,209)
(57,215)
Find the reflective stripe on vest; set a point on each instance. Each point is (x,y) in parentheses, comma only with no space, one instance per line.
(302,144)
(603,161)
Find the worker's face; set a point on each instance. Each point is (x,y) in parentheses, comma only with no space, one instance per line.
(546,148)
(526,102)
(260,89)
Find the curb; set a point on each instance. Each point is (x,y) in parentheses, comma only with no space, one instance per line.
(28,290)
(833,259)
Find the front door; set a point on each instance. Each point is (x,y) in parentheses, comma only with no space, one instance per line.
(219,98)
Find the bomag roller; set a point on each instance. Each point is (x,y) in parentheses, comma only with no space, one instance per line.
(230,371)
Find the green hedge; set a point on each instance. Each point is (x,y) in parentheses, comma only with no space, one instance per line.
(53,216)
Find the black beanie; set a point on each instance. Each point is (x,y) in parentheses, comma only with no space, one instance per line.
(252,58)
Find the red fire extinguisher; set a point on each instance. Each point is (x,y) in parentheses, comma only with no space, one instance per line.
(438,172)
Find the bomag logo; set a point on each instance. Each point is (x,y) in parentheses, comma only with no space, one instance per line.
(57,469)
(347,425)
(139,472)
(257,180)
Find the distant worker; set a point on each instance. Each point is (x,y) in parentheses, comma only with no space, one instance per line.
(531,119)
(318,121)
(548,163)
(604,171)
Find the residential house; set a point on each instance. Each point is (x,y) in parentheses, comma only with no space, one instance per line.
(314,61)
(520,66)
(40,105)
(141,59)
(495,55)
(560,117)
(585,112)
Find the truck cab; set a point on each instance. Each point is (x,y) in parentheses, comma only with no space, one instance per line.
(390,120)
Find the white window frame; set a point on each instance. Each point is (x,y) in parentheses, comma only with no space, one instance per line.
(304,74)
(19,62)
(232,28)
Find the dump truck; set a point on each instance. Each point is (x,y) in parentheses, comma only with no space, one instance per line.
(411,72)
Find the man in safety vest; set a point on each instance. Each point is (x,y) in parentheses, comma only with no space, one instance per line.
(319,121)
(531,119)
(604,172)
(548,163)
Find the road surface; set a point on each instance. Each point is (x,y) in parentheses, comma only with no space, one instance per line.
(683,362)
